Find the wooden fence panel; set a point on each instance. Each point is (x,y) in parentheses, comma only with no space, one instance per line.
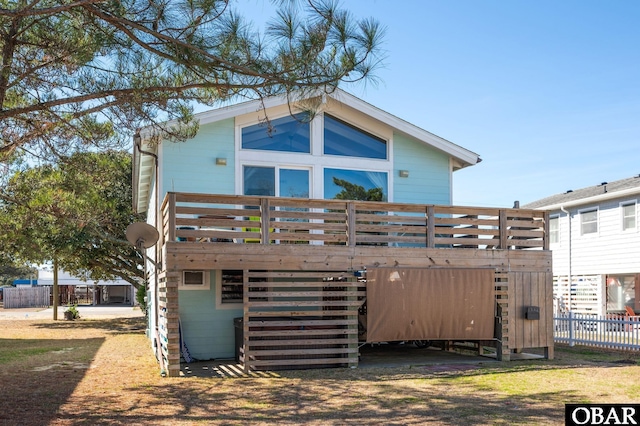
(27,297)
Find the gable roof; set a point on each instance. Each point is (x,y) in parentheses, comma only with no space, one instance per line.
(589,195)
(462,155)
(143,163)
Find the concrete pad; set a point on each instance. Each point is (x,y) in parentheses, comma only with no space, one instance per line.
(371,356)
(408,355)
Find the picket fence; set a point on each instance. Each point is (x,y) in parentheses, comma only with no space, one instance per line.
(26,297)
(611,331)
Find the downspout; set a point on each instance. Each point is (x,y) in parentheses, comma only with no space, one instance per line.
(137,140)
(570,278)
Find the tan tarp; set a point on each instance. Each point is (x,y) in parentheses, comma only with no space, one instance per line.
(429,304)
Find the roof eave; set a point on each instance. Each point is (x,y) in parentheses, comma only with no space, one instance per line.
(462,155)
(592,200)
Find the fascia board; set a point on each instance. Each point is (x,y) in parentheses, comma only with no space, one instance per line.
(239,109)
(409,129)
(460,153)
(592,200)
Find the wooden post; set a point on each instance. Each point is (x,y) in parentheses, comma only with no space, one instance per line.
(431,226)
(169,325)
(171,216)
(353,357)
(504,237)
(545,237)
(265,218)
(351,224)
(245,358)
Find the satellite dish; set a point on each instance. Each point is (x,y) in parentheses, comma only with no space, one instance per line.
(142,235)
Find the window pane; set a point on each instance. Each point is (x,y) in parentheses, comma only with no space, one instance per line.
(259,180)
(355,185)
(287,134)
(294,183)
(589,222)
(629,216)
(554,234)
(621,292)
(341,138)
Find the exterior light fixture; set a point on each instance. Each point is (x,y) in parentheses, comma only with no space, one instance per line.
(403,173)
(221,161)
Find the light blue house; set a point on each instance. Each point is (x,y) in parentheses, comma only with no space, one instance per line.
(346,149)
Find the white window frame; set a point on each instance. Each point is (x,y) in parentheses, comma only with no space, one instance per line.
(277,168)
(205,285)
(555,217)
(635,215)
(316,162)
(589,210)
(351,169)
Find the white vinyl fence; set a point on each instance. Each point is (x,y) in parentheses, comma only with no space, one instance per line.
(26,297)
(613,332)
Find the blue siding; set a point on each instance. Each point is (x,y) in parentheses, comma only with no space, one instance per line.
(429,180)
(208,333)
(191,166)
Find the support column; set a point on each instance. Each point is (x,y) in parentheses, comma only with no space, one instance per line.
(169,325)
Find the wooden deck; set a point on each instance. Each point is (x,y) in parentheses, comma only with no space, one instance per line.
(300,258)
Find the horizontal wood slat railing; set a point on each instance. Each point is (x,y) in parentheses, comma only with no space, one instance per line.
(274,220)
(300,319)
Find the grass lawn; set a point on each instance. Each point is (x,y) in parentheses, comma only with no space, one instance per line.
(102,372)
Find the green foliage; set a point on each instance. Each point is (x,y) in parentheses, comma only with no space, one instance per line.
(351,191)
(84,74)
(75,211)
(10,271)
(141,298)
(73,311)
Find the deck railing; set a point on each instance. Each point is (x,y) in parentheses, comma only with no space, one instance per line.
(274,220)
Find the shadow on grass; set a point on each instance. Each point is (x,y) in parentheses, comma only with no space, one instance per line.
(420,362)
(112,324)
(403,395)
(39,375)
(324,401)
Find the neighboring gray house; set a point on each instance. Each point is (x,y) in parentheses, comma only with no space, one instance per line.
(594,236)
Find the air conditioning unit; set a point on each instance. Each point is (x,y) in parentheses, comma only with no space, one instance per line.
(196,280)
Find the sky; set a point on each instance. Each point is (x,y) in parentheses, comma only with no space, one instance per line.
(546,92)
